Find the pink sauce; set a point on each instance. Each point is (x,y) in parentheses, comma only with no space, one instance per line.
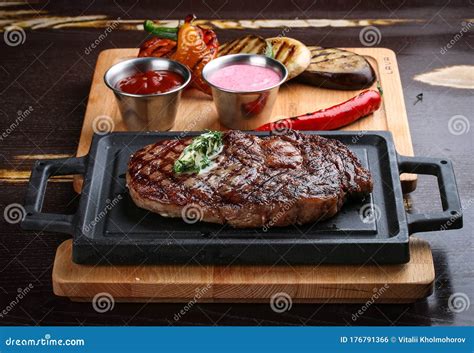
(244,77)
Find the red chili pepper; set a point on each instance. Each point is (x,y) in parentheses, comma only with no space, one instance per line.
(334,117)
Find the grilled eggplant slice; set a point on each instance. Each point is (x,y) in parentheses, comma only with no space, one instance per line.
(249,44)
(338,69)
(292,53)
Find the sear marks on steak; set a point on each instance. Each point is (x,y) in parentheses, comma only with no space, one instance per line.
(255,181)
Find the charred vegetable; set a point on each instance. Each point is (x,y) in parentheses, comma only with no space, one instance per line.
(249,44)
(196,47)
(331,118)
(292,53)
(191,45)
(338,69)
(158,47)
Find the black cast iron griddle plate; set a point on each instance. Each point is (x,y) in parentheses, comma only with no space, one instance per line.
(109,228)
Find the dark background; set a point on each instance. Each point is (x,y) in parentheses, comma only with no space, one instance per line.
(51,73)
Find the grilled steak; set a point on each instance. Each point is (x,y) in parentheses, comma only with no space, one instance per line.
(269,181)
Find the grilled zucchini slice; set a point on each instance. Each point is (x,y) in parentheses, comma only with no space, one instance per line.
(292,53)
(249,44)
(338,69)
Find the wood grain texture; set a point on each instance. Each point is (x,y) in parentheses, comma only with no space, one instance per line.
(251,284)
(197,111)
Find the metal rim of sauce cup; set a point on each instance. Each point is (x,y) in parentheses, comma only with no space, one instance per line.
(127,68)
(244,109)
(147,112)
(249,59)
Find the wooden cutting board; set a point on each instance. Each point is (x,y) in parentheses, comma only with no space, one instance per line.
(197,112)
(324,283)
(303,284)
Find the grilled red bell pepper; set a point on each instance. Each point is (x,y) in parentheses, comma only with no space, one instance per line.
(196,47)
(334,117)
(157,47)
(190,44)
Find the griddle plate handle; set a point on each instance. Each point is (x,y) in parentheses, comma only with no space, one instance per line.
(451,217)
(42,171)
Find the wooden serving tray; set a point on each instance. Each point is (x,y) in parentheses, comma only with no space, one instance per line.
(197,112)
(304,284)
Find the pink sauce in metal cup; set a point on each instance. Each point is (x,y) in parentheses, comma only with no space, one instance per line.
(244,77)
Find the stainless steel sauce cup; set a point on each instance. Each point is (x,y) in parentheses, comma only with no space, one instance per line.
(244,110)
(147,112)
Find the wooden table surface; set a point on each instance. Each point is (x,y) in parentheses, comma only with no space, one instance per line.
(47,72)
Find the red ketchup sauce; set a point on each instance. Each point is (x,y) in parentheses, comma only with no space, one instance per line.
(150,82)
